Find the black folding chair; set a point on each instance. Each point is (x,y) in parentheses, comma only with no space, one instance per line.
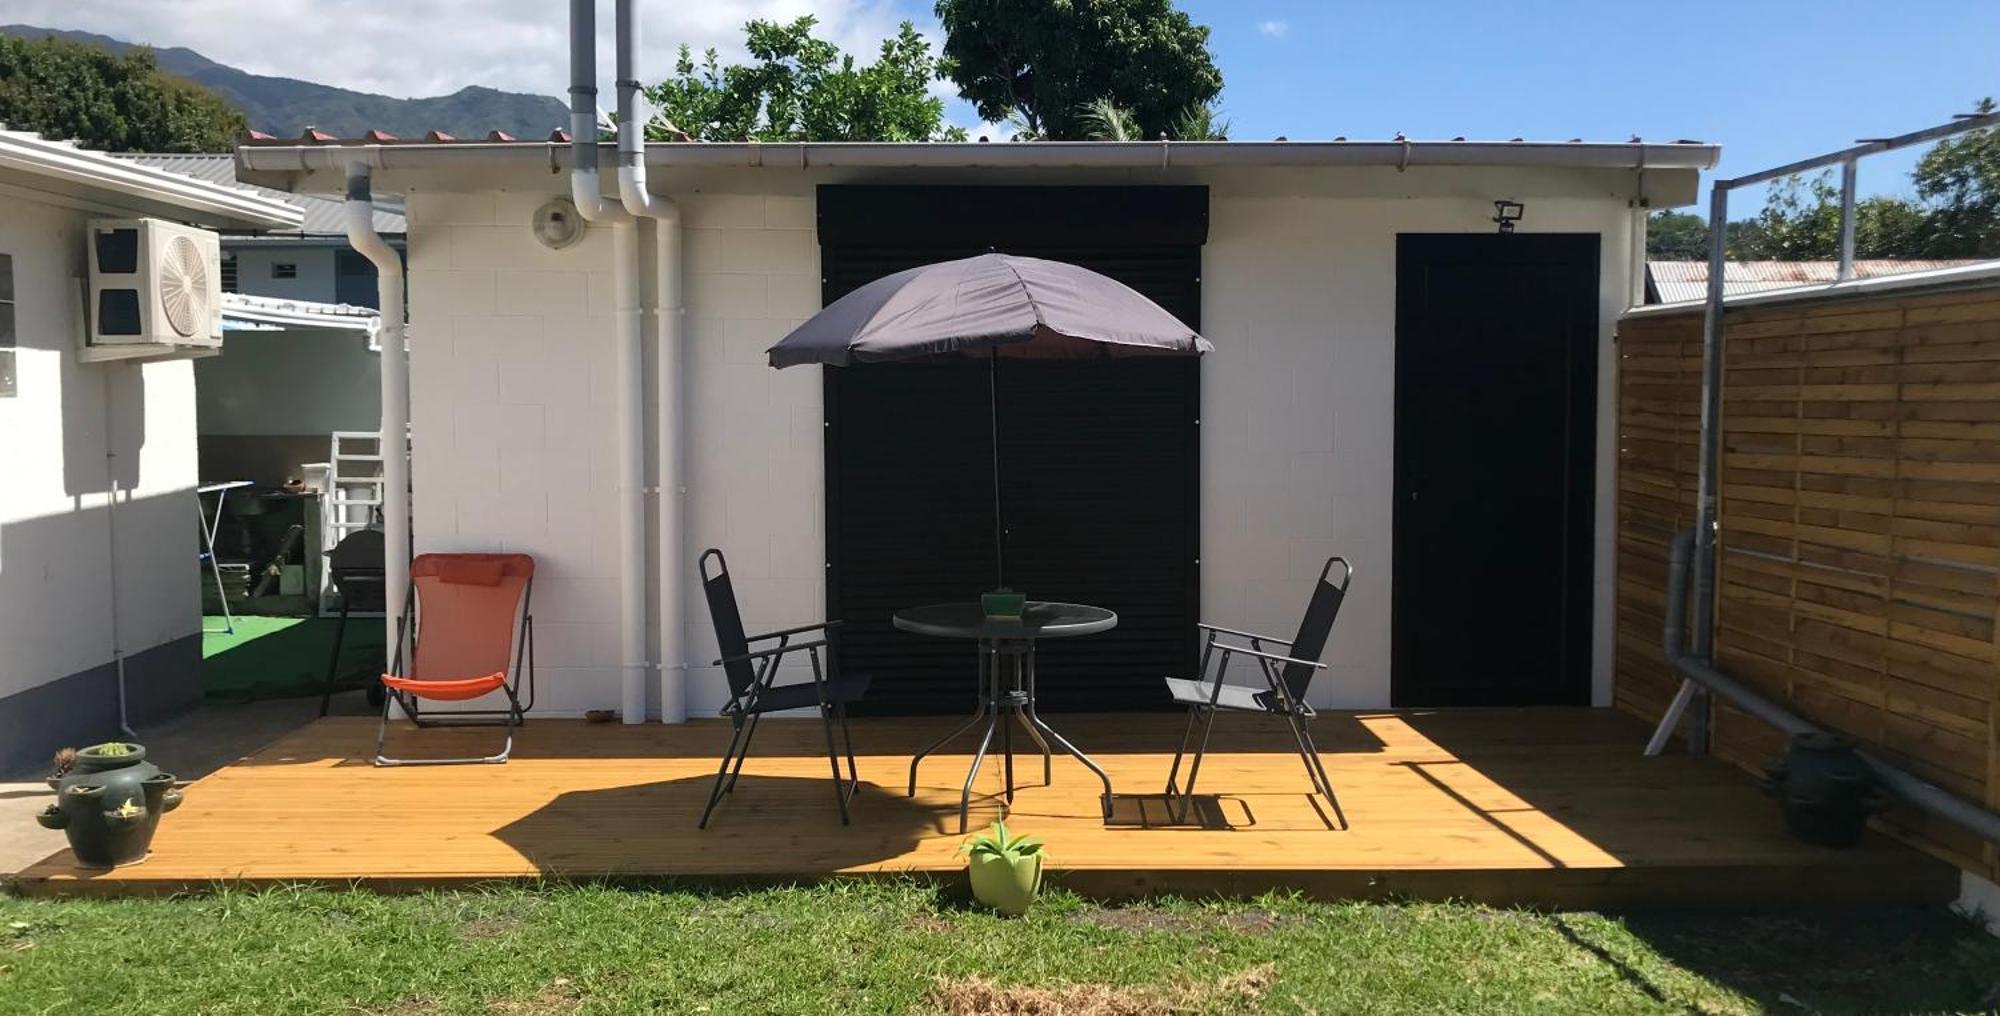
(1286,675)
(751,693)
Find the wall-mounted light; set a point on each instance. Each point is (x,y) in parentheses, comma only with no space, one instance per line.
(1506,213)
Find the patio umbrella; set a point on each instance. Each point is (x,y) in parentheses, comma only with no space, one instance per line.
(991,306)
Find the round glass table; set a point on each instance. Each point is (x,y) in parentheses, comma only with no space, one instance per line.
(1006,650)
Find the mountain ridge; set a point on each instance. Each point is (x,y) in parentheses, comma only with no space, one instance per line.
(287,106)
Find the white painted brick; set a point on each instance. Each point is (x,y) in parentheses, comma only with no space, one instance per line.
(723,211)
(576,644)
(745,340)
(549,294)
(787,251)
(446,292)
(445,208)
(702,250)
(726,295)
(790,211)
(519,425)
(794,296)
(513,339)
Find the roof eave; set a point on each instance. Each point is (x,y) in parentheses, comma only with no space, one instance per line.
(274,164)
(125,182)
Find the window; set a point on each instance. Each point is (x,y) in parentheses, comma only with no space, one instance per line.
(284,270)
(229,273)
(6,326)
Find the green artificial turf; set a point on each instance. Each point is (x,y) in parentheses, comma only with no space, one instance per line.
(901,947)
(285,657)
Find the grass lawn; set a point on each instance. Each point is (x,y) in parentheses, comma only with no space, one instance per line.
(905,948)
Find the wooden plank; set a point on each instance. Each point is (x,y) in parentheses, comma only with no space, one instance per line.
(1531,807)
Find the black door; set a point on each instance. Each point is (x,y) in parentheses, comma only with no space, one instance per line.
(1496,393)
(1099,459)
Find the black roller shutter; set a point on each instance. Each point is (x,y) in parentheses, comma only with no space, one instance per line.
(1100,460)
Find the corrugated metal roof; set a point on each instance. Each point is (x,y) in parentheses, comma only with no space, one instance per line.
(1682,281)
(323,216)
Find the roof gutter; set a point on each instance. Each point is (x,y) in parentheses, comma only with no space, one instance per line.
(219,205)
(1161,155)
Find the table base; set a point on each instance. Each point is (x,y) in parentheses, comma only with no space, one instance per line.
(1007,688)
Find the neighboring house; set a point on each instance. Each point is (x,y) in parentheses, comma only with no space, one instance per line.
(1394,380)
(97,460)
(1681,281)
(304,363)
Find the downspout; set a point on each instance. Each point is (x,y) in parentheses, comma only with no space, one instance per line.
(111,540)
(1700,670)
(361,235)
(590,203)
(666,217)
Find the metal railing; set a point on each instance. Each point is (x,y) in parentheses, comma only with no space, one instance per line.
(1702,644)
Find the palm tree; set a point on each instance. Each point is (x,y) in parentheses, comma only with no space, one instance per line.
(1108,121)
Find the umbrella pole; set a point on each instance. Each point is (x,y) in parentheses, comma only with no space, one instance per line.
(993,416)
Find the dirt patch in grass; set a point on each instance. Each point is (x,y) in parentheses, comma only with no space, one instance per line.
(928,923)
(1139,919)
(418,1006)
(558,996)
(485,928)
(977,996)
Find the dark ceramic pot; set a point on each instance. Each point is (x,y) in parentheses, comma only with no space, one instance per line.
(1826,790)
(110,804)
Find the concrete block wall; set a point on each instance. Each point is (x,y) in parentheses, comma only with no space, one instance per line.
(512,415)
(754,467)
(512,387)
(1298,411)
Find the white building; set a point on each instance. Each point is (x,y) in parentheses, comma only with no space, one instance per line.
(1394,380)
(304,363)
(97,461)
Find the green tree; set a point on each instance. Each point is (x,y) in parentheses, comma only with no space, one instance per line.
(63,89)
(1042,63)
(1800,221)
(802,88)
(1676,236)
(1959,181)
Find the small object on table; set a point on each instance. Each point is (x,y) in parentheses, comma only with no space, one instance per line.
(1003,604)
(600,715)
(1006,679)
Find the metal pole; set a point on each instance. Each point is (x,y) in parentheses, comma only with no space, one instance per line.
(993,415)
(1710,462)
(1847,175)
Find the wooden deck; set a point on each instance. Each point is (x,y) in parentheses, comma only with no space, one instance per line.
(1541,807)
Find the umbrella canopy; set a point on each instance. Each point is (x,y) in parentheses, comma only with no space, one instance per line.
(993,304)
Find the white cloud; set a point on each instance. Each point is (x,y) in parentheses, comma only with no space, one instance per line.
(1274,29)
(433,47)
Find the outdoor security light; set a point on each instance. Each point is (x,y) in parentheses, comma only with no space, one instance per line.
(1506,213)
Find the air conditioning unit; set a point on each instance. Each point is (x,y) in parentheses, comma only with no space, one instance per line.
(155,288)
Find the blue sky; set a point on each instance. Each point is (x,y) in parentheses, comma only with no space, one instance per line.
(1771,82)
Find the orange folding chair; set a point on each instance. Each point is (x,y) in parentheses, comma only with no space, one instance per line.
(466,632)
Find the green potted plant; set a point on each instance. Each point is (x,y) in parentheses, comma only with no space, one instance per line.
(1006,870)
(109,800)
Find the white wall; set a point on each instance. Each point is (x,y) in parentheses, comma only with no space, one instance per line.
(512,390)
(1298,410)
(314,281)
(55,475)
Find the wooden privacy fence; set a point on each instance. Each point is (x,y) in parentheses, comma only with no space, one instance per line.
(1860,526)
